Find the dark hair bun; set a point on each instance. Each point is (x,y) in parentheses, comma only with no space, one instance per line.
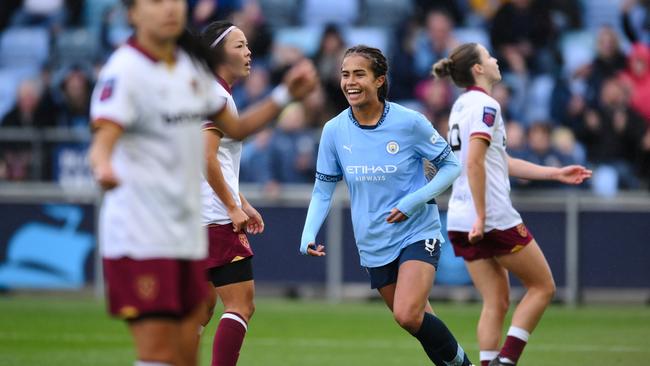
(442,68)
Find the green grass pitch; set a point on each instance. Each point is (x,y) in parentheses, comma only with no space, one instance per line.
(53,331)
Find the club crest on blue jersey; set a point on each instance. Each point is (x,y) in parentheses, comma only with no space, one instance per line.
(107,90)
(489,115)
(392,147)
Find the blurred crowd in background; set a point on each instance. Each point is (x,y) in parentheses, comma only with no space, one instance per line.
(575,90)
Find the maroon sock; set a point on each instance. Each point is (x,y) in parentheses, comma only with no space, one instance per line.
(512,348)
(485,362)
(228,340)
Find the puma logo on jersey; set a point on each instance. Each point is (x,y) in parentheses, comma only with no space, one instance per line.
(348,148)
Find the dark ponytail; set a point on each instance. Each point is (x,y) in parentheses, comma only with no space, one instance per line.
(189,42)
(192,44)
(378,65)
(459,65)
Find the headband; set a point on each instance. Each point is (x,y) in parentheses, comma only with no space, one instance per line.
(222,36)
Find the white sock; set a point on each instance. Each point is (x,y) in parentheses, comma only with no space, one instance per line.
(151,363)
(488,355)
(518,333)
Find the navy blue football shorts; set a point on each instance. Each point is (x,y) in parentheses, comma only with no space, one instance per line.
(424,250)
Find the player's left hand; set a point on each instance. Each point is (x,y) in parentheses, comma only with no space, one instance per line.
(573,174)
(396,216)
(316,250)
(301,79)
(255,224)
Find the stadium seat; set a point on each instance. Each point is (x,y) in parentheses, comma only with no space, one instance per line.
(304,38)
(307,39)
(8,86)
(385,13)
(370,36)
(93,11)
(75,45)
(280,13)
(578,49)
(43,256)
(601,12)
(21,47)
(319,12)
(478,35)
(538,100)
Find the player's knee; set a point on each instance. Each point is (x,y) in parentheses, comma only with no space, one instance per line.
(160,354)
(409,320)
(498,305)
(545,291)
(549,290)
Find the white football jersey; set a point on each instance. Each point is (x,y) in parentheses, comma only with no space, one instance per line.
(229,155)
(155,211)
(477,115)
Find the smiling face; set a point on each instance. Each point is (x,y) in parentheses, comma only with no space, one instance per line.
(237,55)
(358,82)
(162,20)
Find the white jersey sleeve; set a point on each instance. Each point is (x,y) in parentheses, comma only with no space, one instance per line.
(113,98)
(482,120)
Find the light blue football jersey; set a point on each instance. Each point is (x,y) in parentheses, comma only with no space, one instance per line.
(381,165)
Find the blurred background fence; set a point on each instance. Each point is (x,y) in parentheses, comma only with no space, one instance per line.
(598,248)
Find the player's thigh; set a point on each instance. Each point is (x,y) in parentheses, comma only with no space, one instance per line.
(414,283)
(157,339)
(239,293)
(490,278)
(190,336)
(388,294)
(529,265)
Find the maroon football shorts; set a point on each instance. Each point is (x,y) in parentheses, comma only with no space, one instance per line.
(494,243)
(226,246)
(165,287)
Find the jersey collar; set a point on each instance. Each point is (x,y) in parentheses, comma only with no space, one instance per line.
(477,88)
(138,47)
(224,84)
(381,119)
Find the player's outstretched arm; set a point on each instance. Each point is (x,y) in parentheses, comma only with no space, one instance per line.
(448,169)
(299,81)
(104,139)
(571,174)
(319,206)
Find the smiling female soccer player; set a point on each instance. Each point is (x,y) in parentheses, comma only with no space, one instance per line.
(377,147)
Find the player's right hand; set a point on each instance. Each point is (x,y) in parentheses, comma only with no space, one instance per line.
(105,177)
(315,250)
(238,218)
(476,234)
(301,79)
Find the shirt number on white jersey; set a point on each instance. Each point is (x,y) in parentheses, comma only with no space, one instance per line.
(454,137)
